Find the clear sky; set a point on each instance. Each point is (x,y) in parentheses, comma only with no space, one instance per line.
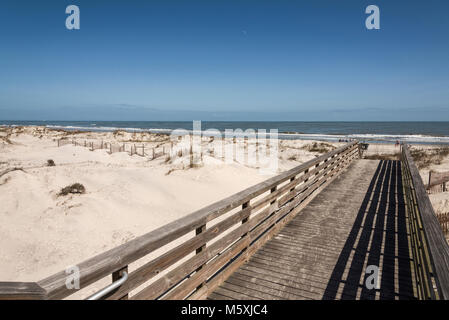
(224,60)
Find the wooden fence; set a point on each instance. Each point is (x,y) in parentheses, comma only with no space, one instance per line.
(214,240)
(130,148)
(443,219)
(429,247)
(437,182)
(170,149)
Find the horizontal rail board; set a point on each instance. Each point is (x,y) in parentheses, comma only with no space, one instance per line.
(21,291)
(438,248)
(288,192)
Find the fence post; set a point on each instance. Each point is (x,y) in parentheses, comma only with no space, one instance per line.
(191,151)
(234,148)
(257,150)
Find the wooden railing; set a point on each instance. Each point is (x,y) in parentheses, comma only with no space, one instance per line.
(429,248)
(209,244)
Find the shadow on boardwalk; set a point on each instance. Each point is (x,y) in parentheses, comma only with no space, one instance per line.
(378,237)
(323,252)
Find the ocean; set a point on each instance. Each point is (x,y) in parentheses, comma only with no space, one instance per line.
(380,132)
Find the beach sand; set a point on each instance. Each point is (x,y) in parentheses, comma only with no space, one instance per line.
(433,158)
(126,196)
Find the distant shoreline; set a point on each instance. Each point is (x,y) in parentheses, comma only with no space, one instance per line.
(408,132)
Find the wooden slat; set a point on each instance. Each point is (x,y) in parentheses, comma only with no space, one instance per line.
(301,259)
(21,291)
(235,264)
(437,244)
(189,285)
(157,265)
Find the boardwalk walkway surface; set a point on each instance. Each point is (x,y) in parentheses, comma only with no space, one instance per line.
(359,220)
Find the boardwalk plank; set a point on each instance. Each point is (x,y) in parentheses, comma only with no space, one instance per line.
(358,220)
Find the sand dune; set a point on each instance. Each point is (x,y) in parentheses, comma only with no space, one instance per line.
(126,196)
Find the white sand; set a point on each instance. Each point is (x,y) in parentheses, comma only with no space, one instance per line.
(440,200)
(126,196)
(42,233)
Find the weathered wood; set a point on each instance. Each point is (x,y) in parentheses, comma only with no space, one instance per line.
(117,275)
(302,265)
(115,259)
(438,248)
(437,178)
(236,263)
(21,291)
(188,285)
(296,181)
(157,265)
(176,275)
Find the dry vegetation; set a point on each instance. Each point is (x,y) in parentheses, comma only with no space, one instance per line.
(76,188)
(428,157)
(320,147)
(5,134)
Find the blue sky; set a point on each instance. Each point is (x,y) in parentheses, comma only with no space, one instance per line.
(224,60)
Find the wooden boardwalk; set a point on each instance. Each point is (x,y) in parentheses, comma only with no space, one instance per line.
(312,232)
(322,253)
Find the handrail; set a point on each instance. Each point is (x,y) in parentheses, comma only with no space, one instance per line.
(106,290)
(434,246)
(288,193)
(21,291)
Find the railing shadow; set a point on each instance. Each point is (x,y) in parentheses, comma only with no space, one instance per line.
(379,238)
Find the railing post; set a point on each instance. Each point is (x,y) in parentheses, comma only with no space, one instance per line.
(198,231)
(291,180)
(117,275)
(244,206)
(273,190)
